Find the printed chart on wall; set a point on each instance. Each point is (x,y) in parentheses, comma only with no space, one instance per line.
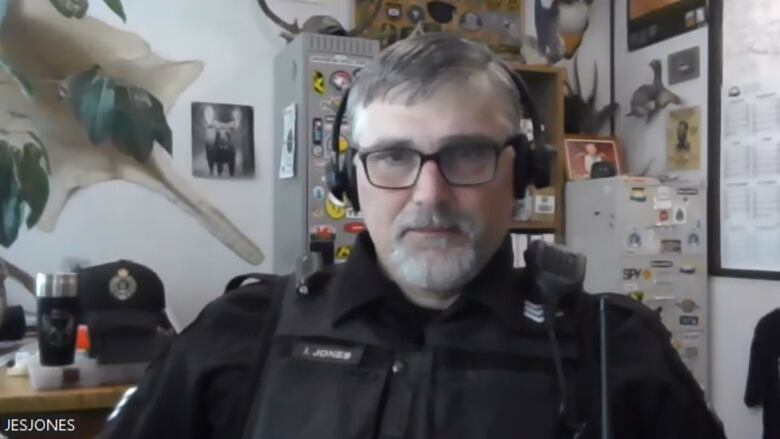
(747,181)
(750,177)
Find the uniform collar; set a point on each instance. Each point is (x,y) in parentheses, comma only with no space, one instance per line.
(361,281)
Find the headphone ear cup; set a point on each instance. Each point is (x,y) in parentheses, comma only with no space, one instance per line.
(350,173)
(542,159)
(521,168)
(335,180)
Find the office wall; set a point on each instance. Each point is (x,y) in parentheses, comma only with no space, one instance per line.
(119,220)
(736,304)
(237,43)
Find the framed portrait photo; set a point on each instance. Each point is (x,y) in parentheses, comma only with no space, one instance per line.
(582,152)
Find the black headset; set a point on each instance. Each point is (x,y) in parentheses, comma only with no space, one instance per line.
(532,165)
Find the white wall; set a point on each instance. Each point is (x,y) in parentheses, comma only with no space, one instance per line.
(736,304)
(118,220)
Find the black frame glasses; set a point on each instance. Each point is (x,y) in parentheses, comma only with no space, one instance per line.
(439,158)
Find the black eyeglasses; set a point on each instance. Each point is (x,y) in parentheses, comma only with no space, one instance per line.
(461,164)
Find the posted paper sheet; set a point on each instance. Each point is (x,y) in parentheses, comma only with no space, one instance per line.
(750,176)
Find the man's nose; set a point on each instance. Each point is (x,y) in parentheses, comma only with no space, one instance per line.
(431,187)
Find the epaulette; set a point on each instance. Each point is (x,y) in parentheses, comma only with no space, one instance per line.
(636,308)
(238,282)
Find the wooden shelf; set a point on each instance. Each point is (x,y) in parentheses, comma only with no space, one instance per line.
(547,91)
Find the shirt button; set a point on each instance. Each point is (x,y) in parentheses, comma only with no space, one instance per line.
(398,366)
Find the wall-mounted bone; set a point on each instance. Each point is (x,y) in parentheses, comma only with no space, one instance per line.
(42,44)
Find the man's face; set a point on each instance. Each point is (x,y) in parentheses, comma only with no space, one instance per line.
(682,131)
(591,149)
(435,236)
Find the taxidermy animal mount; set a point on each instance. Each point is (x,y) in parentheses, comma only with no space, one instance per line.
(560,27)
(649,99)
(88,103)
(581,115)
(318,24)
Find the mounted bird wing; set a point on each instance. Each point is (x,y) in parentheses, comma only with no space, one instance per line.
(291,30)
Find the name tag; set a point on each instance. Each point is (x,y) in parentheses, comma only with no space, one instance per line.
(327,353)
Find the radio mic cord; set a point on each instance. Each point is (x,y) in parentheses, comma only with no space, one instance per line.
(605,420)
(558,275)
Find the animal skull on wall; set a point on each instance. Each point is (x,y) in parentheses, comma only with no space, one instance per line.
(46,47)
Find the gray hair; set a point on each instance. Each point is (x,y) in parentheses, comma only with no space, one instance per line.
(412,70)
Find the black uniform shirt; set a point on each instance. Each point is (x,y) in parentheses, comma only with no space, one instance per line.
(763,382)
(356,360)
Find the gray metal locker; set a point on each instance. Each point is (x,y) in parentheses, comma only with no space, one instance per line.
(648,239)
(310,75)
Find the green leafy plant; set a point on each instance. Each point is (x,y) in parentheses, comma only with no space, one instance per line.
(130,117)
(24,186)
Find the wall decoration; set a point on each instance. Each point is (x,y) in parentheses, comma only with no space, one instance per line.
(322,24)
(651,98)
(560,26)
(90,101)
(749,177)
(223,141)
(683,139)
(287,162)
(651,21)
(582,152)
(744,134)
(581,115)
(684,65)
(499,24)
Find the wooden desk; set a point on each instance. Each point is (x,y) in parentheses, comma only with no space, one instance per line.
(90,406)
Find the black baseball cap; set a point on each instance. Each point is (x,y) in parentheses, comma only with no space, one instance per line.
(123,306)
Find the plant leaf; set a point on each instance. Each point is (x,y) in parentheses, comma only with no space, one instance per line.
(16,114)
(10,203)
(93,99)
(43,149)
(78,84)
(133,122)
(116,6)
(23,84)
(34,183)
(139,121)
(3,10)
(162,131)
(131,116)
(71,8)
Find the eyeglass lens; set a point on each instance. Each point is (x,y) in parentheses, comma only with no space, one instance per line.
(460,164)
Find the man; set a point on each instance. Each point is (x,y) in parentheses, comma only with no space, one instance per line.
(421,334)
(592,156)
(683,145)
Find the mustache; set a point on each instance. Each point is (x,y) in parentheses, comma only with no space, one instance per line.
(433,217)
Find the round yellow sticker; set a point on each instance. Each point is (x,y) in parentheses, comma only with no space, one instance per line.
(334,211)
(343,144)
